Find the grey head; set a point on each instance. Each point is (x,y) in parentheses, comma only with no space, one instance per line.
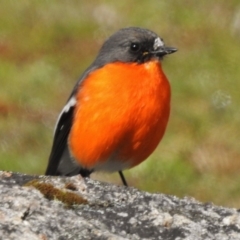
(132,44)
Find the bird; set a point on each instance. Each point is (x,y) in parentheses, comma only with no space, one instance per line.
(118,110)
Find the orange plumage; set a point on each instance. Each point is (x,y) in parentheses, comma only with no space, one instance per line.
(119,119)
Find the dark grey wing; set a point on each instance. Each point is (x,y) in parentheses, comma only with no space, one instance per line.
(60,161)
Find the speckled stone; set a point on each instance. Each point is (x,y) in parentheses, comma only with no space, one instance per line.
(111,212)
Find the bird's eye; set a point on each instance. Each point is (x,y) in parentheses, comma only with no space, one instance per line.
(135,47)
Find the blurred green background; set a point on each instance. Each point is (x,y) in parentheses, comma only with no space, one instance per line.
(46,45)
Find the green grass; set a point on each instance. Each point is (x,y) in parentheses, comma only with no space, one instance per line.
(45,46)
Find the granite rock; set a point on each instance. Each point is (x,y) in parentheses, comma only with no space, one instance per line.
(40,207)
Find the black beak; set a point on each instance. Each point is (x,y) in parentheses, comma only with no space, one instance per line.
(162,51)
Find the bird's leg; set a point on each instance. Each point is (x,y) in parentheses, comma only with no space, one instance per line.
(123,178)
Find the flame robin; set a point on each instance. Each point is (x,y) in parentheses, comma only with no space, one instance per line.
(118,111)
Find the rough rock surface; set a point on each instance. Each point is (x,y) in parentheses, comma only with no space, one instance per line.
(104,211)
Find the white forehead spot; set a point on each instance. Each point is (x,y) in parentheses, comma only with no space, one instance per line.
(158,43)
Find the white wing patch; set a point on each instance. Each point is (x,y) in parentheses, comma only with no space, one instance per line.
(158,43)
(72,102)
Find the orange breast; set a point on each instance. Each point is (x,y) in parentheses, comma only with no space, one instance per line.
(121,115)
